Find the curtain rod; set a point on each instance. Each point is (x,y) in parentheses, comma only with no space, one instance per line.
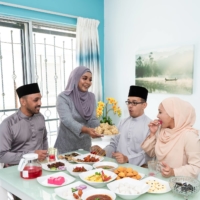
(36,9)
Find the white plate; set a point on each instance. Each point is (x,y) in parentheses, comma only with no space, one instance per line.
(165,183)
(71,161)
(128,188)
(142,175)
(92,155)
(71,167)
(45,167)
(66,193)
(43,180)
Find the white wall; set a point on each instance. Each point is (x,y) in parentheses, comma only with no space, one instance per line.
(132,25)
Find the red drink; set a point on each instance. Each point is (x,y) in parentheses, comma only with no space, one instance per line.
(52,158)
(30,172)
(152,174)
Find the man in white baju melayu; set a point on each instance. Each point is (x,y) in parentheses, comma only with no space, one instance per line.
(133,130)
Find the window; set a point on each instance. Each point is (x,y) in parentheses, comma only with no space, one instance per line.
(35,52)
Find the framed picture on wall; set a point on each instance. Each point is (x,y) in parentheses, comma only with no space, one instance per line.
(166,70)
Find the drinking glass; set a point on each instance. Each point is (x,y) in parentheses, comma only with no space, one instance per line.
(52,154)
(154,167)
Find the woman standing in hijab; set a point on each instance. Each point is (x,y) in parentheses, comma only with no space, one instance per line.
(76,109)
(176,143)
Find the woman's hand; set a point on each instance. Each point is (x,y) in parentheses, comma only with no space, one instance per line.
(120,158)
(91,132)
(153,127)
(166,170)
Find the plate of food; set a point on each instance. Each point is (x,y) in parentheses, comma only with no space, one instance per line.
(123,172)
(55,180)
(76,169)
(88,158)
(157,186)
(73,191)
(69,156)
(54,166)
(98,177)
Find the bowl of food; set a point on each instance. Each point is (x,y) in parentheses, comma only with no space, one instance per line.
(76,169)
(98,177)
(128,188)
(185,186)
(106,165)
(99,194)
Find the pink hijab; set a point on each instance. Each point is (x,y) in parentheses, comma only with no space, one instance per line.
(84,101)
(184,118)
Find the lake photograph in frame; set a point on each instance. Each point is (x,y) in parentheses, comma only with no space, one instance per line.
(166,70)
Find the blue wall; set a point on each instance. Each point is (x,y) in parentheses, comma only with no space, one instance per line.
(93,9)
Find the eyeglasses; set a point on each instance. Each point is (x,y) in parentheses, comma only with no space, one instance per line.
(133,103)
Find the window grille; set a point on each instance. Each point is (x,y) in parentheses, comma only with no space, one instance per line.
(52,50)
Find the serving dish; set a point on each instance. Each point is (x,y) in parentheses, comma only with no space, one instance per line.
(98,192)
(106,165)
(54,169)
(66,191)
(83,158)
(69,156)
(185,186)
(157,186)
(70,168)
(95,177)
(128,188)
(43,180)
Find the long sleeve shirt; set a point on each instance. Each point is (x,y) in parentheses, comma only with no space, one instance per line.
(190,152)
(132,132)
(20,134)
(70,137)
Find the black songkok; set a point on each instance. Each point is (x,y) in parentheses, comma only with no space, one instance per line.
(27,89)
(138,91)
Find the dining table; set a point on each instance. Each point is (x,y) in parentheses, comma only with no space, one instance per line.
(31,190)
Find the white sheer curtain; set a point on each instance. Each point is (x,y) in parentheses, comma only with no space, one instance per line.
(87,51)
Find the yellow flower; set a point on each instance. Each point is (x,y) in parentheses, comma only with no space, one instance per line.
(103,110)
